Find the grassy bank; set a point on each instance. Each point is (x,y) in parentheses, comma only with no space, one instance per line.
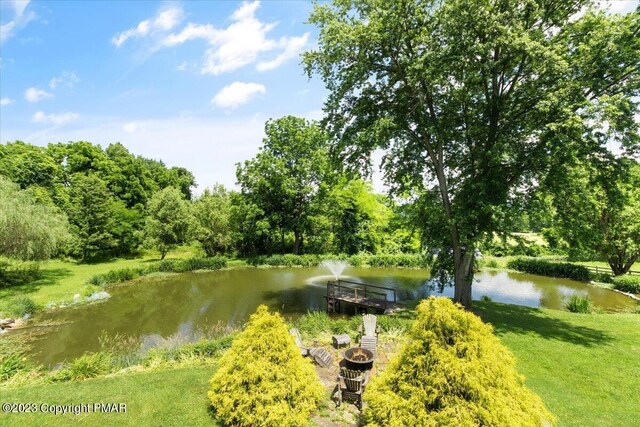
(584,366)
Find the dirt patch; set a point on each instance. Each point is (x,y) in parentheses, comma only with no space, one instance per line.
(331,415)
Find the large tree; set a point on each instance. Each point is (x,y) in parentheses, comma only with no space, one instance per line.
(29,230)
(91,214)
(212,211)
(470,99)
(170,221)
(597,211)
(287,175)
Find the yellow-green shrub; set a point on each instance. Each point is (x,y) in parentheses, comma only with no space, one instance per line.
(262,380)
(454,371)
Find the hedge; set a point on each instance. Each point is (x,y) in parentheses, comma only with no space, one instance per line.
(627,283)
(167,265)
(311,260)
(552,269)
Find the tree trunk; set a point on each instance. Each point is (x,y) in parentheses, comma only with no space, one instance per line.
(619,266)
(297,245)
(163,254)
(463,276)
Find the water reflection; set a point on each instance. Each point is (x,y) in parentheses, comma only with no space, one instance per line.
(176,307)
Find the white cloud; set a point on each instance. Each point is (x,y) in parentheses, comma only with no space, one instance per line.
(34,94)
(165,20)
(19,6)
(54,119)
(292,47)
(20,19)
(67,78)
(5,30)
(621,6)
(236,94)
(239,44)
(133,127)
(6,101)
(191,32)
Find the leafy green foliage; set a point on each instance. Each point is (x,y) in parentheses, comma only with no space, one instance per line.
(29,230)
(88,366)
(627,283)
(454,371)
(263,379)
(472,102)
(359,217)
(170,221)
(91,213)
(598,211)
(551,269)
(21,306)
(18,274)
(579,304)
(212,211)
(287,176)
(165,266)
(12,363)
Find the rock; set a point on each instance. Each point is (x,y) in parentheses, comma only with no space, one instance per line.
(76,298)
(98,296)
(5,322)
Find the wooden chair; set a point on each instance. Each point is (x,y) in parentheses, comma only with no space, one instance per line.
(369,325)
(298,339)
(368,331)
(321,356)
(351,385)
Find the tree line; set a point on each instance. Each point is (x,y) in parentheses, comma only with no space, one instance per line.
(80,200)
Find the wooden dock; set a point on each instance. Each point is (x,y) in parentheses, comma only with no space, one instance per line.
(362,296)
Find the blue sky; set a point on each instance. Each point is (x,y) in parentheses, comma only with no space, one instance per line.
(190,83)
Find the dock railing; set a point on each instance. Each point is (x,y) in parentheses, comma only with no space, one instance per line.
(360,290)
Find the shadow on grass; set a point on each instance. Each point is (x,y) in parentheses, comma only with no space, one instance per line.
(508,318)
(47,277)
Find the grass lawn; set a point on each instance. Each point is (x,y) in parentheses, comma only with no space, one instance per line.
(584,366)
(63,279)
(171,397)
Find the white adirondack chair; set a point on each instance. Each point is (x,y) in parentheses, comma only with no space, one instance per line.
(369,333)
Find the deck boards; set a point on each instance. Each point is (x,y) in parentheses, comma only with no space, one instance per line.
(349,295)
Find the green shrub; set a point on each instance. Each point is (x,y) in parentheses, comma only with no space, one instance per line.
(578,304)
(397,260)
(89,366)
(627,283)
(208,348)
(263,379)
(315,323)
(18,274)
(11,364)
(552,269)
(382,260)
(22,306)
(454,371)
(165,266)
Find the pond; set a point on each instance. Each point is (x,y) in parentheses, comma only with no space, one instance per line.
(178,307)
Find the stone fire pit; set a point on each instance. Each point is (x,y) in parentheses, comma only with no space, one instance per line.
(359,358)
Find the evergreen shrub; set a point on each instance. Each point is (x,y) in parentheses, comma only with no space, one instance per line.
(263,379)
(453,372)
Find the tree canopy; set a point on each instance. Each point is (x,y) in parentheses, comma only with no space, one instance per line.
(472,100)
(288,174)
(29,230)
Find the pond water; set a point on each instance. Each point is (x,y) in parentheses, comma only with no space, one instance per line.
(177,307)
